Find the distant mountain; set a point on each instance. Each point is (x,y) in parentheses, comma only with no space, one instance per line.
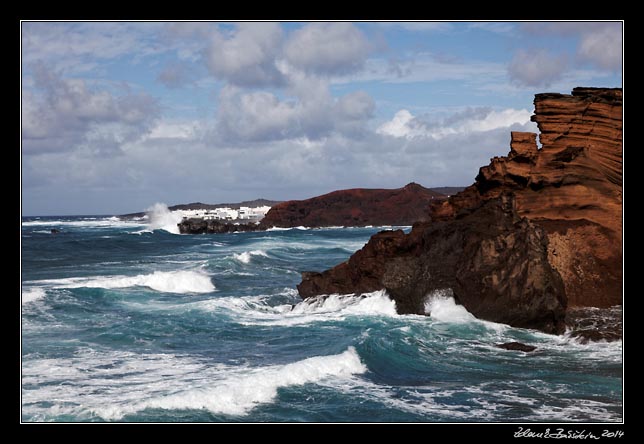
(362,193)
(246,203)
(356,207)
(448,191)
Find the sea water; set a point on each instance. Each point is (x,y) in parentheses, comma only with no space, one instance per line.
(125,320)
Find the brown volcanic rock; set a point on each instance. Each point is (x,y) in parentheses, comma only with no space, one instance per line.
(559,245)
(495,262)
(572,187)
(355,207)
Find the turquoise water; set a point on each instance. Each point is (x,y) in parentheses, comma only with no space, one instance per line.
(122,323)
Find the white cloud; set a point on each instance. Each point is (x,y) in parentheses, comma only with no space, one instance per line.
(536,67)
(262,116)
(418,26)
(327,48)
(77,46)
(602,48)
(175,75)
(61,114)
(599,43)
(495,27)
(469,121)
(258,116)
(426,67)
(248,56)
(174,130)
(402,125)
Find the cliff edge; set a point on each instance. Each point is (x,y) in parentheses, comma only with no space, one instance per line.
(538,232)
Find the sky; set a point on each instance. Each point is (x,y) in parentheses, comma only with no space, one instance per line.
(116,116)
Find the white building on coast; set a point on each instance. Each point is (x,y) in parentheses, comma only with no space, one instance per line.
(226,214)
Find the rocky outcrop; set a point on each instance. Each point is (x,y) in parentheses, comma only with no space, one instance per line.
(571,187)
(495,263)
(517,346)
(539,230)
(356,207)
(202,226)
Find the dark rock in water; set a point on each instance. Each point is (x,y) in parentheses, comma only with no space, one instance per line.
(517,346)
(55,231)
(210,226)
(495,262)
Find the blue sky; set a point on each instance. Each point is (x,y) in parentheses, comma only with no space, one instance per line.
(119,115)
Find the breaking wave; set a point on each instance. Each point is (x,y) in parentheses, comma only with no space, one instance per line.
(246,256)
(164,281)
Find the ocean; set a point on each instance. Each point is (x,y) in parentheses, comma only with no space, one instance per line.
(127,321)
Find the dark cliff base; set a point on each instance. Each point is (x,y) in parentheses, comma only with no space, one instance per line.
(495,263)
(537,233)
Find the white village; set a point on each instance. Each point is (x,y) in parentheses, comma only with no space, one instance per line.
(224,213)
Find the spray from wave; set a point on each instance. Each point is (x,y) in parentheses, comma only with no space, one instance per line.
(440,305)
(161,218)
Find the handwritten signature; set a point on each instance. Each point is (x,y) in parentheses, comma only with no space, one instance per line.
(567,434)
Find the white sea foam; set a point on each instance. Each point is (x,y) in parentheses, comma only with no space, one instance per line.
(377,302)
(253,310)
(32,294)
(183,281)
(300,227)
(440,305)
(110,222)
(239,394)
(116,384)
(246,256)
(161,218)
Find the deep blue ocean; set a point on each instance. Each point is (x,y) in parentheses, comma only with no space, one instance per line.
(124,321)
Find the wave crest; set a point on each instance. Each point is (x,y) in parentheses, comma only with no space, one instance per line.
(32,294)
(247,256)
(183,281)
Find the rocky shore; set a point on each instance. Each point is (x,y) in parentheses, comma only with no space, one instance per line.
(357,207)
(202,226)
(536,237)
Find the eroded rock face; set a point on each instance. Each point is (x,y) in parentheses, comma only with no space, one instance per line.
(538,231)
(571,187)
(356,207)
(495,262)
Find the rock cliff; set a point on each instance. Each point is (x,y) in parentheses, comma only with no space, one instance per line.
(538,231)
